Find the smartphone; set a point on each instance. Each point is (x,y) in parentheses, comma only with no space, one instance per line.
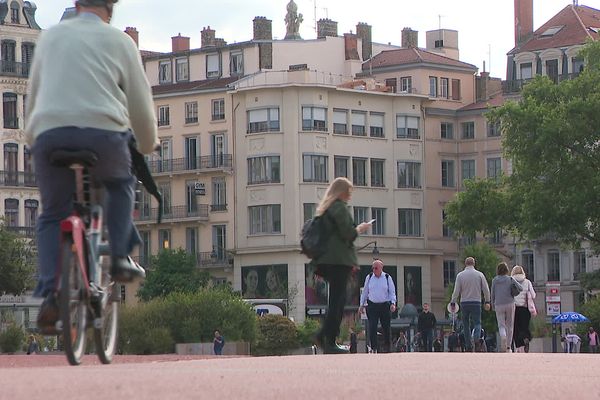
(371,221)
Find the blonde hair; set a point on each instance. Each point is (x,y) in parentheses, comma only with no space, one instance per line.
(517,269)
(337,188)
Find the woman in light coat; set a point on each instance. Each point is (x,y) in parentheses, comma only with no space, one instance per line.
(504,305)
(522,334)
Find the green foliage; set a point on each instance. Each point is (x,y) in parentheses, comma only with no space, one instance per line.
(12,339)
(540,328)
(551,137)
(590,280)
(154,327)
(307,330)
(276,336)
(591,309)
(16,263)
(172,271)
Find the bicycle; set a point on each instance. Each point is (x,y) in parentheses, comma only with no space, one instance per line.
(85,290)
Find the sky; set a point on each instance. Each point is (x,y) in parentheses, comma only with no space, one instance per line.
(485,28)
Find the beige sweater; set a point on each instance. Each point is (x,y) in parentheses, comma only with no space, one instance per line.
(86,73)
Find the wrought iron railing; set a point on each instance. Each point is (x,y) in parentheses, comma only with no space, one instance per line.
(191,164)
(13,68)
(17,178)
(173,213)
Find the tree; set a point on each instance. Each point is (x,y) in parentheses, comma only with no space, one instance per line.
(172,271)
(16,263)
(552,138)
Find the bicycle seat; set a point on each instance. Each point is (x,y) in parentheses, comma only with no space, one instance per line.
(66,158)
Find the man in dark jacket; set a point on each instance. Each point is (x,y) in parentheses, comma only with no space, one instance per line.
(425,326)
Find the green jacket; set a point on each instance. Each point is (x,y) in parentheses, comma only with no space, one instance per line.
(340,246)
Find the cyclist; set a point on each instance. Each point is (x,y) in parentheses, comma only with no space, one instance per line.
(88,90)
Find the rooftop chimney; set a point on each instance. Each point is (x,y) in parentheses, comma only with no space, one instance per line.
(351,46)
(263,29)
(363,31)
(523,21)
(180,43)
(207,37)
(134,34)
(410,38)
(326,27)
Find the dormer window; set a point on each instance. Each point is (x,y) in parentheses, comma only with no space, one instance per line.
(552,31)
(14,12)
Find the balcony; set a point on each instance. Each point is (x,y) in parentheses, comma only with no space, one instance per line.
(16,178)
(516,86)
(172,214)
(13,68)
(218,207)
(183,165)
(23,231)
(211,259)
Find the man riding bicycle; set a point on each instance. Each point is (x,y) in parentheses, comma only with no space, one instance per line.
(88,91)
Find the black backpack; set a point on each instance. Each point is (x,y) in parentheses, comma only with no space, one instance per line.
(315,233)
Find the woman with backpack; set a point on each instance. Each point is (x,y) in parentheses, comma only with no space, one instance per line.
(337,262)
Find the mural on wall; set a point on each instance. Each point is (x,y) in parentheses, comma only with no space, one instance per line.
(413,292)
(316,288)
(265,282)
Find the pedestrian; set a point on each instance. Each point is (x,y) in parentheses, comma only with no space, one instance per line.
(437,345)
(33,347)
(218,343)
(426,325)
(592,337)
(353,341)
(453,342)
(98,103)
(469,285)
(400,344)
(379,298)
(504,305)
(572,341)
(338,261)
(522,335)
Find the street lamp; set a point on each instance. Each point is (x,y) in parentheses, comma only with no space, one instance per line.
(375,251)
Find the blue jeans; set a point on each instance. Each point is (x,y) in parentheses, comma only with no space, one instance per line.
(57,186)
(471,310)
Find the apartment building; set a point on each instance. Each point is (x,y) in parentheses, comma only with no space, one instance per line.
(19,199)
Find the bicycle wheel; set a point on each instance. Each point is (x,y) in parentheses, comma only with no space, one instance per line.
(106,327)
(73,306)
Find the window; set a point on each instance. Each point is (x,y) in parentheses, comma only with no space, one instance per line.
(265,219)
(409,222)
(360,214)
(407,127)
(553,265)
(11,164)
(579,263)
(527,264)
(29,174)
(467,170)
(219,240)
(219,194)
(218,110)
(494,168)
(433,86)
(378,227)
(213,65)
(359,122)
(167,205)
(191,112)
(446,231)
(377,176)
(315,168)
(143,206)
(164,238)
(31,212)
(182,71)
(455,89)
(340,122)
(27,54)
(236,64)
(263,170)
(468,130)
(309,210)
(314,119)
(448,173)
(447,130)
(449,272)
(392,83)
(496,237)
(9,106)
(192,160)
(359,171)
(145,248)
(406,84)
(409,174)
(14,12)
(438,44)
(164,71)
(526,71)
(163,116)
(191,200)
(376,125)
(340,166)
(191,240)
(577,65)
(11,212)
(263,120)
(218,149)
(493,129)
(444,88)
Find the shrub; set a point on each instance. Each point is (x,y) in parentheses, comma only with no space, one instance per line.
(307,331)
(12,339)
(277,335)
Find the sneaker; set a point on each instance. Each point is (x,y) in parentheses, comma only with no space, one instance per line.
(48,315)
(125,270)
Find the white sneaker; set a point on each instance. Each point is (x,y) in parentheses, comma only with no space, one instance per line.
(509,350)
